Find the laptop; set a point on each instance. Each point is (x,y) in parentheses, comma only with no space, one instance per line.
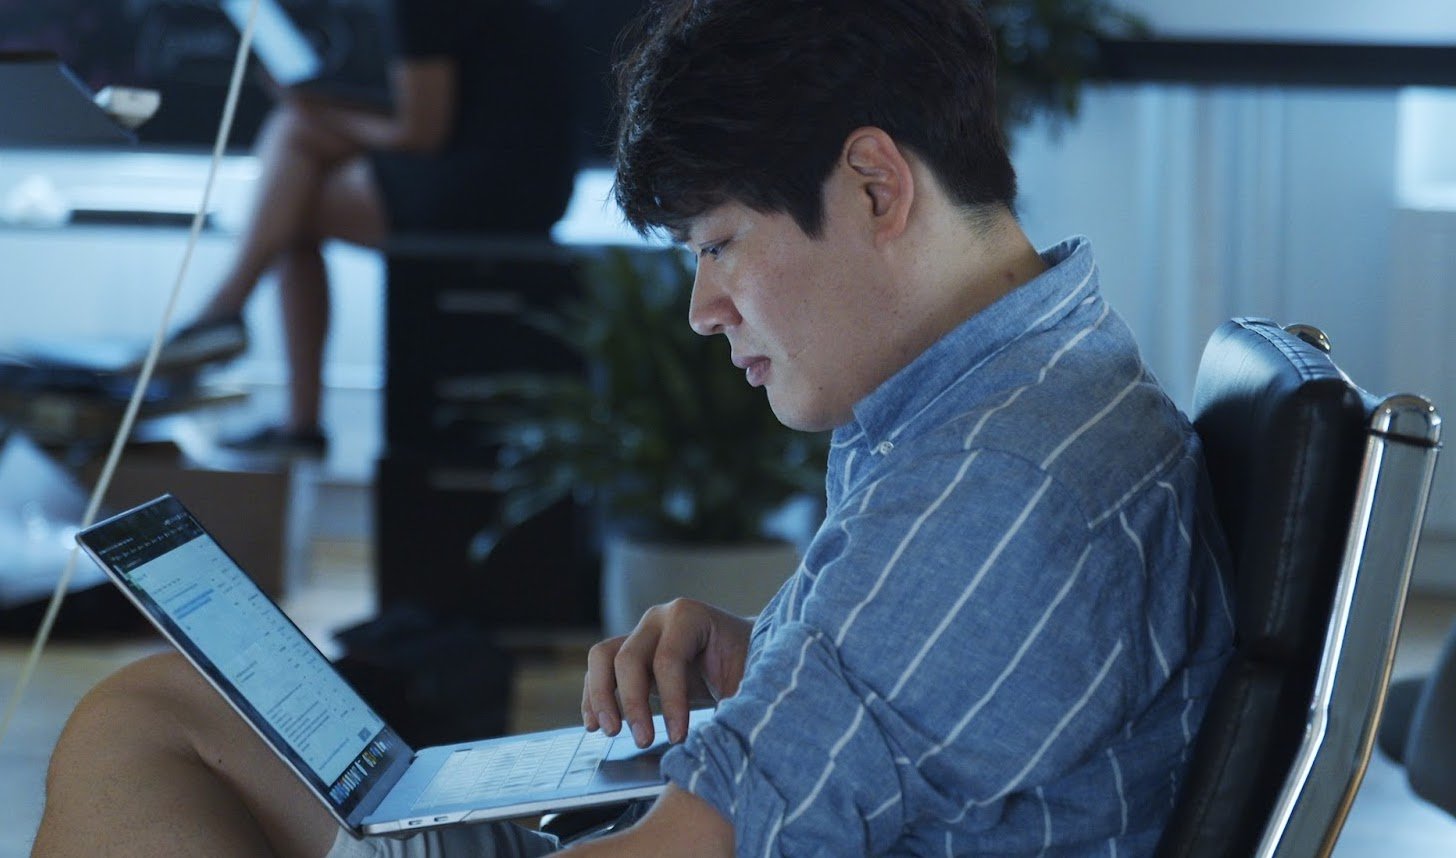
(357,765)
(45,104)
(292,62)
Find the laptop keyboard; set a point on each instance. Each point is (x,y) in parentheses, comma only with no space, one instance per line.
(543,764)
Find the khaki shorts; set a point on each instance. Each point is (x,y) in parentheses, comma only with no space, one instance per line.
(490,840)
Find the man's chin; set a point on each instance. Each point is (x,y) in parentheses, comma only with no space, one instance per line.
(797,417)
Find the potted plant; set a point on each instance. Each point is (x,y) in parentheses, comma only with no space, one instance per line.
(1046,49)
(682,461)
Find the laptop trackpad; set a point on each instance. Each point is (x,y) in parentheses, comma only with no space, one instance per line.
(627,764)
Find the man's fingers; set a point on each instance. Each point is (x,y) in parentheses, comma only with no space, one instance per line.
(634,665)
(672,650)
(599,691)
(676,665)
(673,683)
(589,718)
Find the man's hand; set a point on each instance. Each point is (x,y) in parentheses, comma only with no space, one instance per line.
(687,651)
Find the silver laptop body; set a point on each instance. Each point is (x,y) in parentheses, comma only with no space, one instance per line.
(288,692)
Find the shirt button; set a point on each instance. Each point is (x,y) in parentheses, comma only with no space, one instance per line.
(884,448)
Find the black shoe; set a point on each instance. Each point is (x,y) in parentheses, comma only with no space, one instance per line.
(283,443)
(203,342)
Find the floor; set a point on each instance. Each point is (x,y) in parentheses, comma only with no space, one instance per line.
(1386,819)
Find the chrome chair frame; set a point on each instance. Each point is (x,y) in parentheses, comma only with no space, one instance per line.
(1394,487)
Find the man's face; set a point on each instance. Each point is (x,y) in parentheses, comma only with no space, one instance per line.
(801,313)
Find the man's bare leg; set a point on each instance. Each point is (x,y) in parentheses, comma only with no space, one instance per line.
(154,763)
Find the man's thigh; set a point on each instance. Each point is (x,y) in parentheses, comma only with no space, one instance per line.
(153,762)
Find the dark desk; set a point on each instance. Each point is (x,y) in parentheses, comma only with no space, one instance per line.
(44,104)
(454,311)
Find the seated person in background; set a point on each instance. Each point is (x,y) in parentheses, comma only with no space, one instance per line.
(1001,640)
(468,146)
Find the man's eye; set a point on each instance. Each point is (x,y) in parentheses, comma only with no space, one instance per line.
(712,251)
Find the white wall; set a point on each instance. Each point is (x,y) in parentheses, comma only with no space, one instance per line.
(1396,21)
(1209,202)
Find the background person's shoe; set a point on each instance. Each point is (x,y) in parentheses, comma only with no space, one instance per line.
(275,441)
(203,342)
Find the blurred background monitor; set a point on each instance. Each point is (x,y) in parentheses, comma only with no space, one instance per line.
(184,49)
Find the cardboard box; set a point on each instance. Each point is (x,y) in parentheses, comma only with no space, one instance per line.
(246,510)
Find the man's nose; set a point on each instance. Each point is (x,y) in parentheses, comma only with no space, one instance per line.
(710,311)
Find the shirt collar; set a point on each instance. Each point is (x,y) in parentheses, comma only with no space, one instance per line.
(1038,304)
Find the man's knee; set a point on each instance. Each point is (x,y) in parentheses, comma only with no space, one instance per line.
(147,702)
(154,679)
(120,715)
(155,735)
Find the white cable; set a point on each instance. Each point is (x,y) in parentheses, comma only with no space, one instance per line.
(123,432)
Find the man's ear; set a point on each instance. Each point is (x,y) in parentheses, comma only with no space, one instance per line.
(882,173)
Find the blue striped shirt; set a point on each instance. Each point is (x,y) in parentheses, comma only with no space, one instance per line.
(1003,636)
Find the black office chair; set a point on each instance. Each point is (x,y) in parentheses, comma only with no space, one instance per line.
(1322,490)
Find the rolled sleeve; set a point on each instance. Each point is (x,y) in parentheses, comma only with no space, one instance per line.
(795,760)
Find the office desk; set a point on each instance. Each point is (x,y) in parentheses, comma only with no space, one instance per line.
(454,311)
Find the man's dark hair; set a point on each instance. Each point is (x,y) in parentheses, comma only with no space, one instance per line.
(750,101)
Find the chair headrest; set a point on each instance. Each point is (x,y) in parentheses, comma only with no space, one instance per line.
(1282,428)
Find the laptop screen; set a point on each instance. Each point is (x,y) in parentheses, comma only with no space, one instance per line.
(284,51)
(252,652)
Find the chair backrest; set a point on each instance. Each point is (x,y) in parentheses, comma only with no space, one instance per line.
(1322,490)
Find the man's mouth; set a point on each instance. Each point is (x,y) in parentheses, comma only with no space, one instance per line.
(757,372)
(755,369)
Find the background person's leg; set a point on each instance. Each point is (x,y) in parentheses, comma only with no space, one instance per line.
(350,208)
(154,763)
(297,157)
(303,300)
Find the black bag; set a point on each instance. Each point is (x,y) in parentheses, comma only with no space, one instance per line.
(435,680)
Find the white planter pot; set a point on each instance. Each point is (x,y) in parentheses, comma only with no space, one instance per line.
(737,578)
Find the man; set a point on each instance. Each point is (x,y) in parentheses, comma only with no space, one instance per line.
(1002,637)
